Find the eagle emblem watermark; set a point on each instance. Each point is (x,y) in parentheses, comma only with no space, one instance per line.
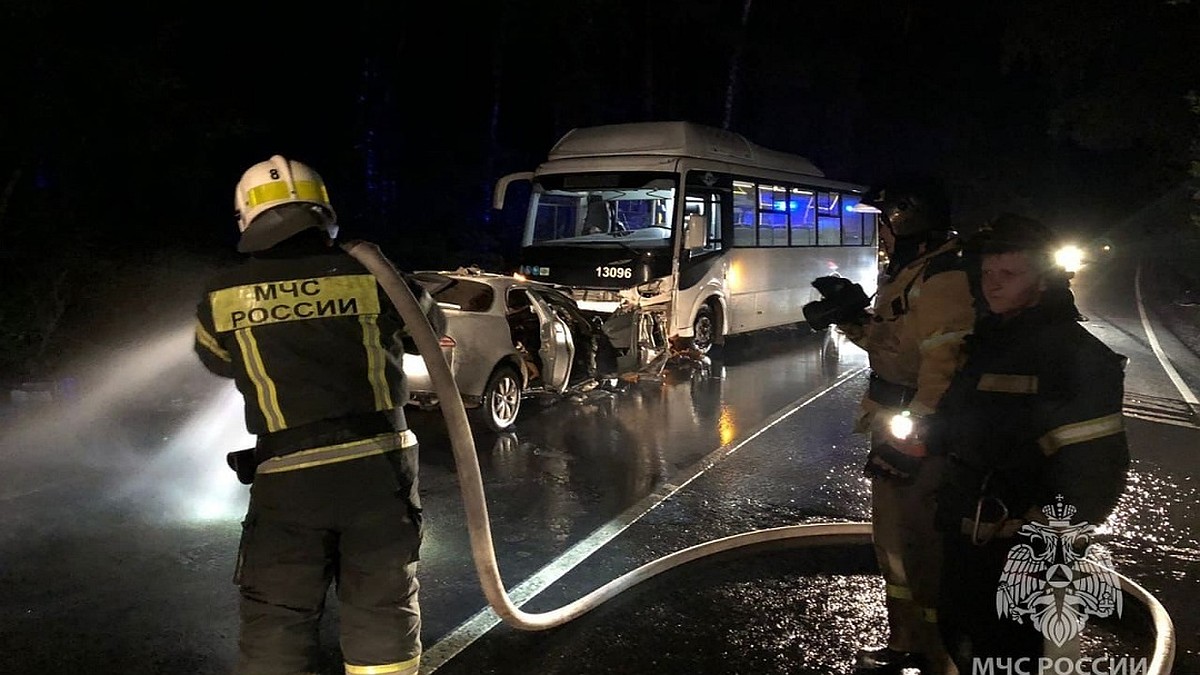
(1058,579)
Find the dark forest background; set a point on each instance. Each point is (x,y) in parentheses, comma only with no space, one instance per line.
(124,126)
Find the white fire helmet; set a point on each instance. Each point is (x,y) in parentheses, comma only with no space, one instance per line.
(275,183)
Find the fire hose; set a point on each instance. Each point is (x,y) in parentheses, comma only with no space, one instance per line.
(479,527)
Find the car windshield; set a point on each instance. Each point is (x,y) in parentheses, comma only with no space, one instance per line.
(468,296)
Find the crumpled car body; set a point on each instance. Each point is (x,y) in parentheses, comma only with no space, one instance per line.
(508,339)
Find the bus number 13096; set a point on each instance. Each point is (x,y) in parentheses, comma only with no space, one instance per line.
(604,272)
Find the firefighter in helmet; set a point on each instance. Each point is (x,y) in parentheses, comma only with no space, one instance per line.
(912,335)
(1032,433)
(314,346)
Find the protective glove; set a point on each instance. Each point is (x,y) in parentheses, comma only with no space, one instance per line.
(832,286)
(885,461)
(900,453)
(243,464)
(842,301)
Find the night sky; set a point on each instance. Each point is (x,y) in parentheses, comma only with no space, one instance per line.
(123,130)
(143,118)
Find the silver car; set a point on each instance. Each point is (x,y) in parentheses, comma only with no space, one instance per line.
(508,338)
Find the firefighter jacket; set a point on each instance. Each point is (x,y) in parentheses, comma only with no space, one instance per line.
(1033,416)
(914,332)
(311,341)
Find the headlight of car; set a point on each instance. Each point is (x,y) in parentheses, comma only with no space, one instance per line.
(1069,257)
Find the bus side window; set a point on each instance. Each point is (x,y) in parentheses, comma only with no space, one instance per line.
(772,216)
(772,229)
(744,214)
(803,210)
(829,220)
(852,222)
(869,223)
(704,210)
(714,224)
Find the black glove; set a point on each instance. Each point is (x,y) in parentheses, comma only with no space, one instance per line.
(842,301)
(243,464)
(831,287)
(885,461)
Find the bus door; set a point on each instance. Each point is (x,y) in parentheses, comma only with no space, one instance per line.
(557,350)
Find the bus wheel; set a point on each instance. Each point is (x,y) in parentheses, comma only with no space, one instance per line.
(704,329)
(501,399)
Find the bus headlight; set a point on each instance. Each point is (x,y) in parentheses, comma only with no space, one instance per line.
(1069,257)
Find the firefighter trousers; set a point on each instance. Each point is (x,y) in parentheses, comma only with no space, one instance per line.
(355,524)
(908,550)
(971,629)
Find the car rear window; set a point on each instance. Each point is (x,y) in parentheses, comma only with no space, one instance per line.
(468,296)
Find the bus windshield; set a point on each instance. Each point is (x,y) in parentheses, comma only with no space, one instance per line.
(600,208)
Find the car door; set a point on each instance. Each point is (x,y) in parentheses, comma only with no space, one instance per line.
(557,350)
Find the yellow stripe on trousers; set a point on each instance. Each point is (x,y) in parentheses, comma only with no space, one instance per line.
(408,667)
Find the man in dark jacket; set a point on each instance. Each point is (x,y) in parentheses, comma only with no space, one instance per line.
(315,348)
(1032,432)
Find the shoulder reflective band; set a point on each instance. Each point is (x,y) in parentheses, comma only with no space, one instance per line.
(331,454)
(935,341)
(1008,384)
(272,192)
(1079,432)
(210,343)
(293,300)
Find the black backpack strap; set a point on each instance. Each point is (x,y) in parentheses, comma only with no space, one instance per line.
(947,261)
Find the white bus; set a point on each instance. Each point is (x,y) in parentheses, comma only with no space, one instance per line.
(693,232)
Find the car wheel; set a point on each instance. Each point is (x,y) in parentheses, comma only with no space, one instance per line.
(501,400)
(704,330)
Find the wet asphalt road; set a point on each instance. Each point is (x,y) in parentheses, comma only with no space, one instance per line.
(120,519)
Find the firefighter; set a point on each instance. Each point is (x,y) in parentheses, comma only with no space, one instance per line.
(912,336)
(314,346)
(1032,419)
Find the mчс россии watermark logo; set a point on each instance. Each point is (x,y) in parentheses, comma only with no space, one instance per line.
(1056,582)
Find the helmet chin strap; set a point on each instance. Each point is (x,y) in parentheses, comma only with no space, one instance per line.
(904,251)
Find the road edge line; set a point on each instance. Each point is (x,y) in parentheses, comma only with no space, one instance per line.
(1188,396)
(485,619)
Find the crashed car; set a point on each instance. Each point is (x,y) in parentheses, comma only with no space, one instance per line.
(508,339)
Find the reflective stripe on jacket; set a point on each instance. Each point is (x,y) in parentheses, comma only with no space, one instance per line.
(306,338)
(1034,413)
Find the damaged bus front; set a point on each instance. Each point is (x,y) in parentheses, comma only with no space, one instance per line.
(682,234)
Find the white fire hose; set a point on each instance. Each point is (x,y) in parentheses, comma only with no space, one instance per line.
(479,526)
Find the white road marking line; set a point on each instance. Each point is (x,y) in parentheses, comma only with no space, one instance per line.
(1176,380)
(486,619)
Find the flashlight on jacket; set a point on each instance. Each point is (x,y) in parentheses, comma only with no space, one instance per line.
(904,430)
(902,426)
